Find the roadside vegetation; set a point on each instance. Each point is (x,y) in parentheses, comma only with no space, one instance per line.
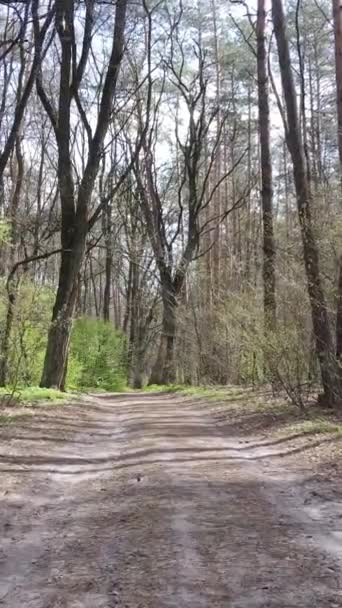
(97,353)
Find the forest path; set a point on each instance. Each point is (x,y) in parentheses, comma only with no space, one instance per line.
(141,501)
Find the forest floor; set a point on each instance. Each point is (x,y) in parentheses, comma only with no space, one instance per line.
(166,500)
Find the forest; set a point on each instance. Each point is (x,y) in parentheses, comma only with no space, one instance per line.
(171,194)
(171,303)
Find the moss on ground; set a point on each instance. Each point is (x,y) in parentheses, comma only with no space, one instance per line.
(31,394)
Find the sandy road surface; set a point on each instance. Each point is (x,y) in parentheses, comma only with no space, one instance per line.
(142,501)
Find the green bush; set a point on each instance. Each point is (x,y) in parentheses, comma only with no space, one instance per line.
(97,356)
(29,332)
(97,350)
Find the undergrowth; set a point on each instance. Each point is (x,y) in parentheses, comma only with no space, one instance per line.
(31,394)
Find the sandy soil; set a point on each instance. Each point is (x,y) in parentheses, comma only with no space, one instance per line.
(147,501)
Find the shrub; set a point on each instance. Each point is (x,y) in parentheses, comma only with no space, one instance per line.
(97,356)
(288,361)
(29,333)
(97,350)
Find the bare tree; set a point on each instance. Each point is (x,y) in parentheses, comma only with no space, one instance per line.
(24,90)
(76,199)
(175,231)
(319,313)
(266,171)
(337,16)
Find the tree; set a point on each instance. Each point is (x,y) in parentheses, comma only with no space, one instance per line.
(320,321)
(129,220)
(174,210)
(24,89)
(266,172)
(337,15)
(76,199)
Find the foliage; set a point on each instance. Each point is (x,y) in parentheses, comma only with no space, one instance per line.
(31,394)
(288,365)
(97,351)
(230,345)
(221,338)
(97,355)
(29,330)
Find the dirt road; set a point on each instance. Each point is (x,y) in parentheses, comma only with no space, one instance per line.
(143,501)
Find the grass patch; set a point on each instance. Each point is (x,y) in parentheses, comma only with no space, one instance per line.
(32,394)
(211,392)
(163,388)
(102,391)
(317,425)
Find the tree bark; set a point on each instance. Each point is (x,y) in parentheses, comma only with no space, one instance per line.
(75,209)
(266,173)
(107,221)
(12,292)
(60,328)
(337,15)
(320,321)
(164,371)
(134,317)
(217,204)
(12,282)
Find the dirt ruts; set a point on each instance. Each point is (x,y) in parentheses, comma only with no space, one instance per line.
(143,501)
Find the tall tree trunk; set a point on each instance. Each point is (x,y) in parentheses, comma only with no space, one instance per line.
(217,211)
(247,223)
(73,236)
(128,298)
(266,173)
(96,292)
(60,328)
(107,229)
(164,371)
(12,282)
(319,314)
(337,14)
(134,317)
(12,292)
(107,287)
(75,208)
(140,348)
(318,111)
